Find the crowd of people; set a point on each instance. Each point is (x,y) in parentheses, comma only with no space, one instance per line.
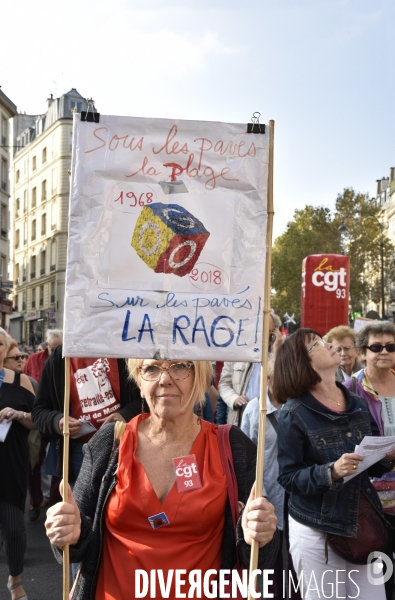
(144,433)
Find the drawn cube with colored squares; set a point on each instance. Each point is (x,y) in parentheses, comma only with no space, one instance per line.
(168,238)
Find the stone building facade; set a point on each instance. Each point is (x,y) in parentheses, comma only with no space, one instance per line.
(40,201)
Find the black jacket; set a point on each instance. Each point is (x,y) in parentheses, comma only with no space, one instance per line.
(98,477)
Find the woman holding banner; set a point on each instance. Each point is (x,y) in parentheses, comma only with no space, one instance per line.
(161,497)
(320,424)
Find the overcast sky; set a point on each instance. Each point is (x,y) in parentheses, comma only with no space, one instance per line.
(324,70)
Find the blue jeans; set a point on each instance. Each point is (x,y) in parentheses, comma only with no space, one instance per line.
(222,412)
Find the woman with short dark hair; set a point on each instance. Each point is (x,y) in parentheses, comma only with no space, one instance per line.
(319,426)
(376,384)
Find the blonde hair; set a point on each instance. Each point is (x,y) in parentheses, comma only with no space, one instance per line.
(13,344)
(339,333)
(202,377)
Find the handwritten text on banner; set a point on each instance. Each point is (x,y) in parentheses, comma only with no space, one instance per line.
(167,232)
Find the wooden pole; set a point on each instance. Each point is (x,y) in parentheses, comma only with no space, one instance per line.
(265,345)
(66,437)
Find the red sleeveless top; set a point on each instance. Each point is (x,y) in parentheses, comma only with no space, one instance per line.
(193,538)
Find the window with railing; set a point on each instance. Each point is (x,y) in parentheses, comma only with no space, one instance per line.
(33,267)
(43,224)
(4,174)
(4,130)
(43,262)
(4,220)
(34,229)
(34,197)
(43,190)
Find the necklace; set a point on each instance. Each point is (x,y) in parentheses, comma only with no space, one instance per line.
(329,398)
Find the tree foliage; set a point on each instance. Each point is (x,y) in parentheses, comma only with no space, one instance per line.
(315,230)
(311,232)
(362,243)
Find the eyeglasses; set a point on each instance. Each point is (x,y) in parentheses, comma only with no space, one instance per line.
(320,343)
(346,349)
(16,357)
(176,371)
(379,347)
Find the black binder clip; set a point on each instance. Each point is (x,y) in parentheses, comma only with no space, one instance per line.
(91,116)
(255,126)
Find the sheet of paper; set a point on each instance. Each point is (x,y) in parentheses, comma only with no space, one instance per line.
(86,427)
(4,429)
(373,449)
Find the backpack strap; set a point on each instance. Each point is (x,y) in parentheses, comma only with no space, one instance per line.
(273,421)
(119,430)
(227,464)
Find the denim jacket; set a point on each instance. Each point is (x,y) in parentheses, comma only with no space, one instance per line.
(310,438)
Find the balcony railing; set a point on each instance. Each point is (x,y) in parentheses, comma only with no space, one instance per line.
(52,267)
(24,278)
(33,275)
(41,301)
(33,304)
(42,271)
(53,298)
(23,305)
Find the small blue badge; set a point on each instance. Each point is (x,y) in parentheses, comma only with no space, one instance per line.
(159,520)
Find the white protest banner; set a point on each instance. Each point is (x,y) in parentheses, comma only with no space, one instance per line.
(167,230)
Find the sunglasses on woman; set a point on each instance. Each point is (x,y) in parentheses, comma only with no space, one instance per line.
(390,347)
